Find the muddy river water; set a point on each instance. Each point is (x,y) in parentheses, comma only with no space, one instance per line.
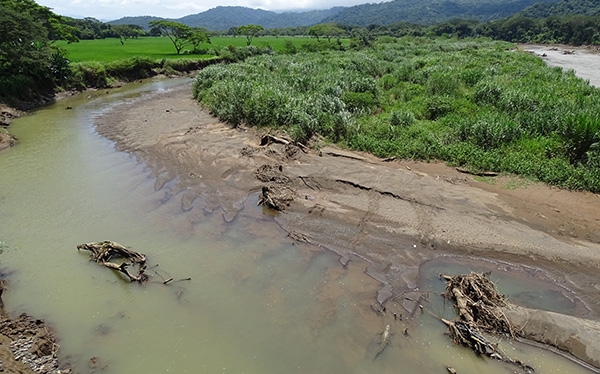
(255,303)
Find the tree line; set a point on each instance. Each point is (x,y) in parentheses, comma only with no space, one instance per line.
(570,29)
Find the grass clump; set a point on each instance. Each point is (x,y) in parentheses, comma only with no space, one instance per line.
(473,103)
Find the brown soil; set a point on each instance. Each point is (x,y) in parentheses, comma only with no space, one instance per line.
(7,114)
(396,215)
(27,346)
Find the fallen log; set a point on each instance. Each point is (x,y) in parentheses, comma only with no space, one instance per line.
(385,340)
(268,139)
(105,251)
(478,173)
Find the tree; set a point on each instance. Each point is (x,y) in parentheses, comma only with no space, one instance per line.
(125,32)
(179,34)
(22,41)
(28,60)
(327,30)
(250,31)
(361,37)
(199,35)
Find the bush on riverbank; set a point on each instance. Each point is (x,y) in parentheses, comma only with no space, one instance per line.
(473,103)
(97,74)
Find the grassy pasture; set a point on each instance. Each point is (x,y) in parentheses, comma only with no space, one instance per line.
(111,49)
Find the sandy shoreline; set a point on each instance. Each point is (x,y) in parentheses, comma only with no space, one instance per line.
(396,215)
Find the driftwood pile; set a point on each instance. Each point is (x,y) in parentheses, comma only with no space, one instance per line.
(479,307)
(478,300)
(105,251)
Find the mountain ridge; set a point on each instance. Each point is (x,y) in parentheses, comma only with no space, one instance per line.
(425,12)
(225,17)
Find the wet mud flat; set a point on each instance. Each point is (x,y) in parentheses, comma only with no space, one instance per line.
(396,215)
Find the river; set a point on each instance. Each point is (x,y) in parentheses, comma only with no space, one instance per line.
(255,303)
(582,62)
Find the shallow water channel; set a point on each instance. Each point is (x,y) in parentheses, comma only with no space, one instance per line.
(255,303)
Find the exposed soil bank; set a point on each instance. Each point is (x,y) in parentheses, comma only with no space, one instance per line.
(27,346)
(396,215)
(6,115)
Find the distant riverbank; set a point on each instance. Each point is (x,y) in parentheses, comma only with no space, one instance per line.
(584,61)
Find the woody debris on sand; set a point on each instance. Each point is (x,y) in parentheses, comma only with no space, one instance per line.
(479,306)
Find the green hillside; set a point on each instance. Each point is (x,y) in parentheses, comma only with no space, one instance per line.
(223,18)
(140,21)
(428,11)
(425,12)
(562,8)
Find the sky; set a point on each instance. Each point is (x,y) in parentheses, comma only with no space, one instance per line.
(114,9)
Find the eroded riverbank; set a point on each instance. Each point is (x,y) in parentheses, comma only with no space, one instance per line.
(395,215)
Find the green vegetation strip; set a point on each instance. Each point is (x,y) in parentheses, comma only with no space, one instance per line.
(473,103)
(111,49)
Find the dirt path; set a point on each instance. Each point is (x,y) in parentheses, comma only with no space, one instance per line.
(396,215)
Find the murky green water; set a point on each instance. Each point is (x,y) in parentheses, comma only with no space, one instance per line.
(255,303)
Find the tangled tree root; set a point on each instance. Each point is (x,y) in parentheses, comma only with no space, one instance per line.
(479,306)
(276,196)
(103,252)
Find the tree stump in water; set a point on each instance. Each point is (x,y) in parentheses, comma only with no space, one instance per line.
(105,251)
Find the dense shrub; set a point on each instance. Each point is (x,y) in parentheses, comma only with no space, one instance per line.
(468,102)
(89,74)
(131,69)
(402,118)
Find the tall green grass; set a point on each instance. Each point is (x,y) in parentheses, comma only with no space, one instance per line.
(474,103)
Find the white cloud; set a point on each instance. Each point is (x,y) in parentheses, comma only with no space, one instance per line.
(187,8)
(114,9)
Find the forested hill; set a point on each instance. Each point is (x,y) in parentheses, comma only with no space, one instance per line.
(425,12)
(223,18)
(140,21)
(429,12)
(562,8)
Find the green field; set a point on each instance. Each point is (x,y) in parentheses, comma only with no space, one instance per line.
(111,49)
